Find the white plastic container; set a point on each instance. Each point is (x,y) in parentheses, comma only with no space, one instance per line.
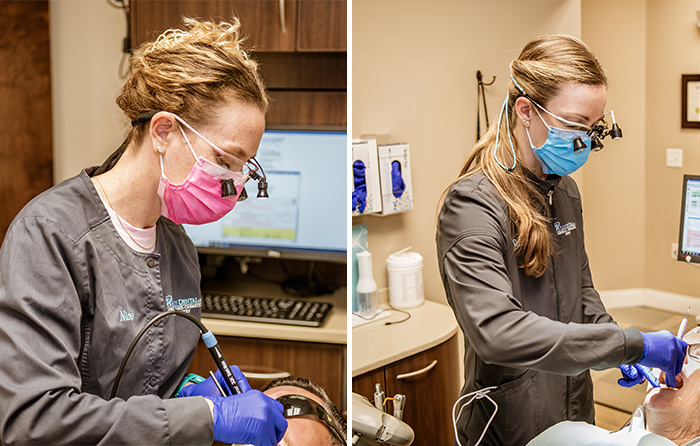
(366,288)
(405,271)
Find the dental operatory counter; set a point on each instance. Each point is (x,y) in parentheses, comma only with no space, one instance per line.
(415,365)
(376,344)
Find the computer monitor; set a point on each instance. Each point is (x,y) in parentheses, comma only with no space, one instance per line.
(689,239)
(305,217)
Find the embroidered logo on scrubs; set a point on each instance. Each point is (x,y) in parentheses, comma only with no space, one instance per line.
(185,304)
(565,229)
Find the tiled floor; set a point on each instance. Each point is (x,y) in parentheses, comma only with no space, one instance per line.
(615,404)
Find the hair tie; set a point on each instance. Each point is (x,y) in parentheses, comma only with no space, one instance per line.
(143,117)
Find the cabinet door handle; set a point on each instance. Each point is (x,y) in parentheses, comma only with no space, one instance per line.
(283,19)
(274,375)
(418,372)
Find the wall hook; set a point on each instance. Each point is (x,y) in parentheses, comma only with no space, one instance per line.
(481,94)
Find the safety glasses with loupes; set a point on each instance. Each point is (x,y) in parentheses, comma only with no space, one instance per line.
(252,168)
(597,131)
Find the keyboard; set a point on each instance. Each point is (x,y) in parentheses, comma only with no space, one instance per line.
(262,309)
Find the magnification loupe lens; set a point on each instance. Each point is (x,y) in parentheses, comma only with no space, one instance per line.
(579,145)
(228,189)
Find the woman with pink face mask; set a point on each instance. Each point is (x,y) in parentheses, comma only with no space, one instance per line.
(88,263)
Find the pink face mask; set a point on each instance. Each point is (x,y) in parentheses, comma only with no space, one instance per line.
(198,200)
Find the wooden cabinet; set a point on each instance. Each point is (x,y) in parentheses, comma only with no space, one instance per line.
(322,363)
(286,25)
(301,46)
(322,25)
(430,380)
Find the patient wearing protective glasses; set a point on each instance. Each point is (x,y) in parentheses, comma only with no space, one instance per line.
(313,418)
(669,416)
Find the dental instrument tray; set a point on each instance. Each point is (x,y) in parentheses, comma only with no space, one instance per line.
(263,309)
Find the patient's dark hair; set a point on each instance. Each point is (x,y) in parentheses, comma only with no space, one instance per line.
(317,390)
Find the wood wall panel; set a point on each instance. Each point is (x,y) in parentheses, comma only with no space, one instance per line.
(26,157)
(308,108)
(303,71)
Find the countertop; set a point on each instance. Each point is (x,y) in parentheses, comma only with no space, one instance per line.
(333,331)
(375,344)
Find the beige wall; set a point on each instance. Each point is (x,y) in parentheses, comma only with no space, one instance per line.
(413,71)
(673,48)
(614,179)
(86,42)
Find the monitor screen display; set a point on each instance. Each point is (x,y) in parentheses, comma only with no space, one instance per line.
(689,239)
(305,217)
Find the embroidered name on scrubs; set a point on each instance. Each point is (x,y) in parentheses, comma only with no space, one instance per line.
(565,229)
(183,304)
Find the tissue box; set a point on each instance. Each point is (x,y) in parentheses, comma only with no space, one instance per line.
(365,150)
(395,178)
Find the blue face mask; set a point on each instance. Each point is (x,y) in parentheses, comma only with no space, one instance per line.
(557,154)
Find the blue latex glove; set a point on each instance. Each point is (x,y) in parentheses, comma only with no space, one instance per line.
(397,184)
(248,418)
(205,388)
(359,193)
(208,387)
(630,376)
(665,351)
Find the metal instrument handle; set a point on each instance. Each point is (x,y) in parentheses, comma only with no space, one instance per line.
(418,372)
(283,20)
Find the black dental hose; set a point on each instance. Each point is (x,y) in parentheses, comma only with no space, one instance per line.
(208,338)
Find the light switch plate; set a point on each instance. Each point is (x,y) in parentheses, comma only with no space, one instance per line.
(674,157)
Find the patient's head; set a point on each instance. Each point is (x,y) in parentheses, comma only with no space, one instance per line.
(678,410)
(308,429)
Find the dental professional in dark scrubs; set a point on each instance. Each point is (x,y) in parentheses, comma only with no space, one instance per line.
(512,258)
(85,265)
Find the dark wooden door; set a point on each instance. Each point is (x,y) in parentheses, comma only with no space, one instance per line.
(431,382)
(26,157)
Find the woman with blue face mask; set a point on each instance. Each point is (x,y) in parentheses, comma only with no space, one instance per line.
(513,262)
(88,263)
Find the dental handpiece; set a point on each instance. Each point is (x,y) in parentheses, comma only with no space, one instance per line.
(399,403)
(216,353)
(684,325)
(647,373)
(379,397)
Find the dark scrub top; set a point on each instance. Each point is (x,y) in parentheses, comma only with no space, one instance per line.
(533,338)
(73,296)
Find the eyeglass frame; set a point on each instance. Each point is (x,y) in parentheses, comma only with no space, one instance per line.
(252,164)
(597,131)
(310,407)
